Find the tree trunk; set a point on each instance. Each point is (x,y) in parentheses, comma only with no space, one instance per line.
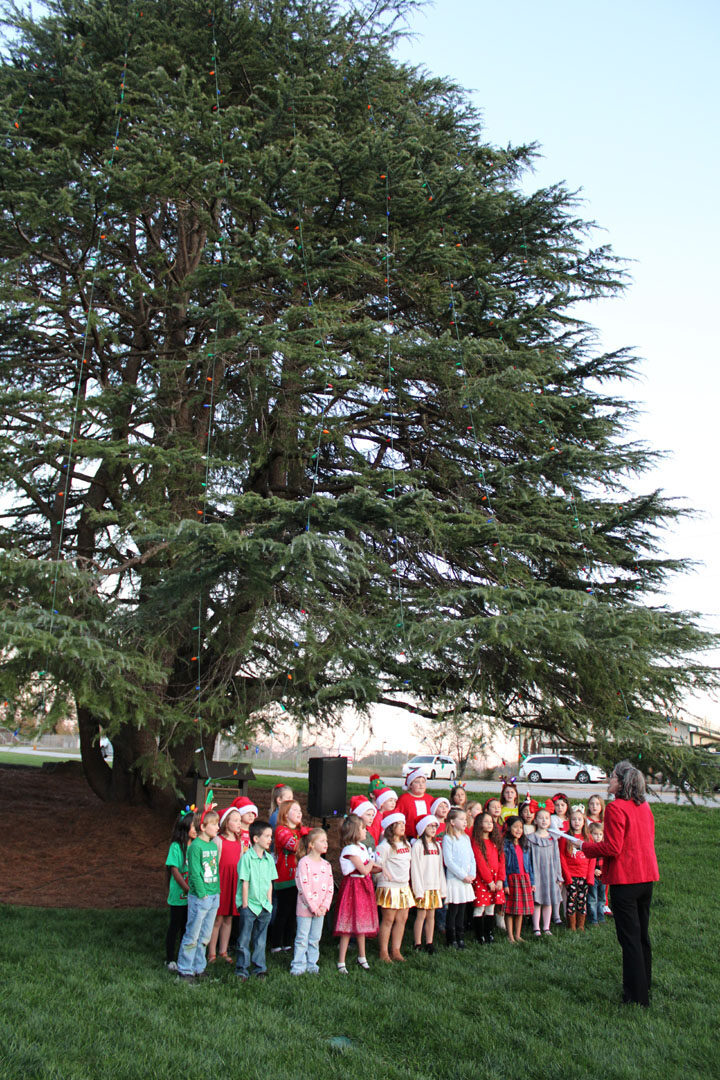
(97,772)
(119,783)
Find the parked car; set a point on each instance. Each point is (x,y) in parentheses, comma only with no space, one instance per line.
(435,766)
(539,767)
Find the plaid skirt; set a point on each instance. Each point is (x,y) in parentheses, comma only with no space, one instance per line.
(519,895)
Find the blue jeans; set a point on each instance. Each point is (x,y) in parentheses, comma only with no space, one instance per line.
(596,903)
(307,944)
(251,941)
(200,918)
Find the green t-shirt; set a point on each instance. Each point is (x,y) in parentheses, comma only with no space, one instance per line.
(203,860)
(176,896)
(259,871)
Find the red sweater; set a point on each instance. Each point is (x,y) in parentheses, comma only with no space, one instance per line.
(628,844)
(575,863)
(286,845)
(411,807)
(492,867)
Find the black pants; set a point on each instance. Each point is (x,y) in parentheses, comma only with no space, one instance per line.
(282,930)
(176,929)
(631,909)
(455,922)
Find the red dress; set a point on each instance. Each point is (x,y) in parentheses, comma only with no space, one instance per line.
(228,873)
(356,910)
(491,868)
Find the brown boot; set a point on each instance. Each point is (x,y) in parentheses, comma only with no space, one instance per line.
(572,921)
(581,922)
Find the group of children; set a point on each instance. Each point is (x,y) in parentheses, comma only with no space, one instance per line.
(458,864)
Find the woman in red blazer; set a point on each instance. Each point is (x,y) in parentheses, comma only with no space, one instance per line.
(629,868)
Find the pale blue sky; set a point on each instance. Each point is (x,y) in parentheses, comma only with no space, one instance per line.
(623,98)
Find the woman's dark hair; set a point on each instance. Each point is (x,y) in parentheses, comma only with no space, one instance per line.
(478,835)
(181,834)
(632,782)
(521,840)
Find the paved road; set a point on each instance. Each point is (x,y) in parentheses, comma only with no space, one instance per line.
(538,791)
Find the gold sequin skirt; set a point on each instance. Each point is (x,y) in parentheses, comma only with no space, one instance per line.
(395,896)
(430,901)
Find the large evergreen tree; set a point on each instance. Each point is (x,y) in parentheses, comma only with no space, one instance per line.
(298,405)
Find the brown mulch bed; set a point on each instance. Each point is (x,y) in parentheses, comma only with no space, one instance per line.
(63,847)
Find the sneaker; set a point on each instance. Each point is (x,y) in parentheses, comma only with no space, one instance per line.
(277,948)
(171,965)
(287,948)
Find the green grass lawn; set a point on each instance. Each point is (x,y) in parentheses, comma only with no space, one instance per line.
(85,996)
(7,758)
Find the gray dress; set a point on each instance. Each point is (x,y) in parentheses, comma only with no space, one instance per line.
(546,868)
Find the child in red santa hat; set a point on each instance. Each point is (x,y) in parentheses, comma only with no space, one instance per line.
(248,813)
(229,843)
(414,803)
(394,895)
(385,802)
(427,879)
(440,809)
(362,808)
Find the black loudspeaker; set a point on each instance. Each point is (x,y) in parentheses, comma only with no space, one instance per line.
(327,786)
